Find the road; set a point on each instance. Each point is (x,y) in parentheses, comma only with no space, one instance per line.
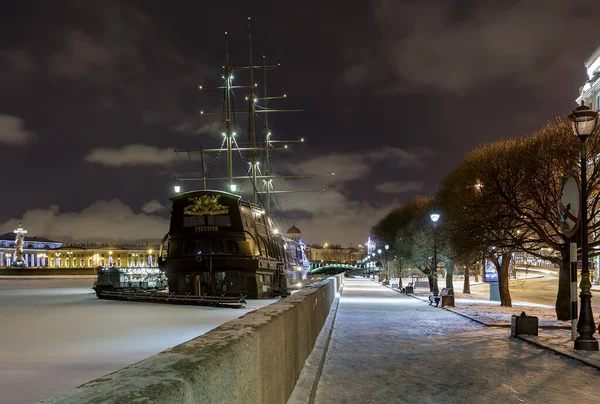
(56,335)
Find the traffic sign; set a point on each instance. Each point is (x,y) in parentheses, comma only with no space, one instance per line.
(569,204)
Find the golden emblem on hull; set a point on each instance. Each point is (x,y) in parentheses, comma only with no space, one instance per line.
(205,205)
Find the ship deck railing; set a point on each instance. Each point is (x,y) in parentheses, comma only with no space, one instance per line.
(189,299)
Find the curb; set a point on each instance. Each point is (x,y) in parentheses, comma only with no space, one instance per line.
(529,339)
(306,386)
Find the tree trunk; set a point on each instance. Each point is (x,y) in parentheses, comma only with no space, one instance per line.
(503,273)
(563,297)
(467,284)
(450,276)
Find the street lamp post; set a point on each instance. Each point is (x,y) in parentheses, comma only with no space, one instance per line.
(373,266)
(379,261)
(434,218)
(584,121)
(387,263)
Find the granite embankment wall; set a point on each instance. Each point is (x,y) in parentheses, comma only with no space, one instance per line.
(254,359)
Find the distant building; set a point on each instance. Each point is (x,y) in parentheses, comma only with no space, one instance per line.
(35,250)
(335,253)
(39,252)
(590,91)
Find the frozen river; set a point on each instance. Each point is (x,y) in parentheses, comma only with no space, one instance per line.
(56,335)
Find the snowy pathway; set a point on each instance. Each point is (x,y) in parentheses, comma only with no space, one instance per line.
(390,348)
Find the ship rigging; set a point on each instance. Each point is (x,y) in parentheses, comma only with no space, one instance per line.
(218,243)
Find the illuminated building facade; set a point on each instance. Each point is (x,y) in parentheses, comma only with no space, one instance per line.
(34,250)
(335,253)
(96,255)
(38,252)
(590,91)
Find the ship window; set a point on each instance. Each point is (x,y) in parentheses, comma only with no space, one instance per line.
(220,220)
(211,247)
(190,247)
(193,221)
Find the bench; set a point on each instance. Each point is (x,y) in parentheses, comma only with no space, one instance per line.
(446,297)
(408,289)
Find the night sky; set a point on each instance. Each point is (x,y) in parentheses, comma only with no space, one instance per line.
(95,95)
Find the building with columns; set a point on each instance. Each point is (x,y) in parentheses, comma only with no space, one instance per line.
(35,250)
(39,252)
(335,253)
(589,92)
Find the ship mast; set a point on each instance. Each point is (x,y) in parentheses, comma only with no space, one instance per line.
(228,75)
(252,101)
(267,134)
(228,87)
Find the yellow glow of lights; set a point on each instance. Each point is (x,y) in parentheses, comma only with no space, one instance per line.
(200,87)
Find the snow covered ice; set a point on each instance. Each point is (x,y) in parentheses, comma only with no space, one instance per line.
(56,334)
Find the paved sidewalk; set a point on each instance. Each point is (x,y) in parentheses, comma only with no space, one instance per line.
(387,347)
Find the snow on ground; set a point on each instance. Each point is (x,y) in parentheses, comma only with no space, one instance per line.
(491,313)
(56,334)
(388,347)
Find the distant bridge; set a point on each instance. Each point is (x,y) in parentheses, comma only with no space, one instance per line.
(320,267)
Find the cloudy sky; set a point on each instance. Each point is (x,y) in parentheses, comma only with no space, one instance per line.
(96,95)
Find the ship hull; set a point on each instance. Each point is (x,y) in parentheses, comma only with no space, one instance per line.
(254,278)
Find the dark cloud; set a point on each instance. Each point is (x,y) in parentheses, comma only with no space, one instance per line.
(131,155)
(424,44)
(100,221)
(13,132)
(399,187)
(98,94)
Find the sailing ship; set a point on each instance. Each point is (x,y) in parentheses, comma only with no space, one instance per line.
(219,244)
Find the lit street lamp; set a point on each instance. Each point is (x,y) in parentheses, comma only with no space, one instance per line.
(584,121)
(434,218)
